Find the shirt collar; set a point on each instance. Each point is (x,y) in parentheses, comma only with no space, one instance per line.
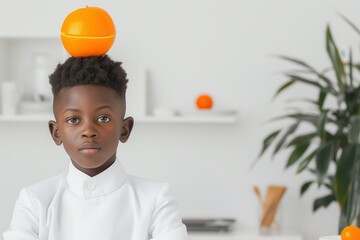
(105,182)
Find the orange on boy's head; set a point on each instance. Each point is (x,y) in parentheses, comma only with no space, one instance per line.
(88,31)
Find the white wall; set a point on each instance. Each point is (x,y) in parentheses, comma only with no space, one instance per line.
(220,46)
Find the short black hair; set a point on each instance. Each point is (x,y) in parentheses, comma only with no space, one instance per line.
(101,71)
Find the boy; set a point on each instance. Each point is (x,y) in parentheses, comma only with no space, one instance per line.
(95,199)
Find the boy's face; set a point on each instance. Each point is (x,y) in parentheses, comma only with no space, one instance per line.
(89,123)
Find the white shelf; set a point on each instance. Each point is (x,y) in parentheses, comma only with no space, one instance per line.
(26,118)
(145,119)
(187,119)
(30,36)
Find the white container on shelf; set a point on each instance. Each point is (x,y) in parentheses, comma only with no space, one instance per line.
(10,97)
(42,90)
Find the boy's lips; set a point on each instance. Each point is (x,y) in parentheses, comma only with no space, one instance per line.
(89,148)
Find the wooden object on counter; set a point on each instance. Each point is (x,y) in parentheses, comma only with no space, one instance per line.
(257,193)
(272,200)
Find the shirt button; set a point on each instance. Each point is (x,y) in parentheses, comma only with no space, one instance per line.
(91,186)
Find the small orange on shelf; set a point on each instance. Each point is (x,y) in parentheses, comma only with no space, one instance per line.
(350,233)
(204,101)
(88,31)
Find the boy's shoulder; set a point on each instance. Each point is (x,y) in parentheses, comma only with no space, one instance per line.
(46,187)
(146,186)
(153,194)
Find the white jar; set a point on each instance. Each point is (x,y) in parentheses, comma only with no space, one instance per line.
(10,97)
(42,88)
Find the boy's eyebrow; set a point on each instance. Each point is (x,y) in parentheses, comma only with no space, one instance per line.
(102,107)
(77,110)
(71,110)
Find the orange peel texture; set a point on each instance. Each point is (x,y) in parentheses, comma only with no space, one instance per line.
(88,31)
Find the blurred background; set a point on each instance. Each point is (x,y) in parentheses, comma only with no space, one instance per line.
(175,51)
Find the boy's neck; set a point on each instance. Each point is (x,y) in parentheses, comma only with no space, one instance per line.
(94,171)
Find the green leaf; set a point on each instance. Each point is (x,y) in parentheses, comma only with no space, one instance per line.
(321,125)
(323,161)
(305,187)
(313,171)
(312,70)
(323,202)
(321,99)
(297,61)
(265,144)
(302,139)
(304,163)
(297,153)
(282,140)
(352,204)
(354,132)
(268,140)
(290,100)
(351,78)
(357,66)
(284,86)
(306,81)
(335,58)
(311,118)
(343,173)
(350,23)
(328,186)
(343,218)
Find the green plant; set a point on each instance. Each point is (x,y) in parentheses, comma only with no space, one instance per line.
(335,135)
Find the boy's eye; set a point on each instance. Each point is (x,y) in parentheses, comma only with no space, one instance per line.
(73,120)
(103,119)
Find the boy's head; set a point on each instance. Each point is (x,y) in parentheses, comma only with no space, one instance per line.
(89,108)
(101,71)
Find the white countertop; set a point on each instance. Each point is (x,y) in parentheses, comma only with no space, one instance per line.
(244,234)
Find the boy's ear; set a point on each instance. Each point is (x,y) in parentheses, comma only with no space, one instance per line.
(54,131)
(127,126)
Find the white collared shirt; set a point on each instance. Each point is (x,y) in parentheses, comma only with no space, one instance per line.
(109,206)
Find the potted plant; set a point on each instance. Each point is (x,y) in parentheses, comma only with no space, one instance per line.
(334,138)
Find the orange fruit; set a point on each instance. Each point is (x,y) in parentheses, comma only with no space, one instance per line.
(204,101)
(88,31)
(350,233)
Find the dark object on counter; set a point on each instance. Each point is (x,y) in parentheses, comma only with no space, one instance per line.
(209,224)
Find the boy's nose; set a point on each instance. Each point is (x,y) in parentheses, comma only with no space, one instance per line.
(89,132)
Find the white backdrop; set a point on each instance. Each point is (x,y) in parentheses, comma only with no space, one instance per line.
(223,47)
